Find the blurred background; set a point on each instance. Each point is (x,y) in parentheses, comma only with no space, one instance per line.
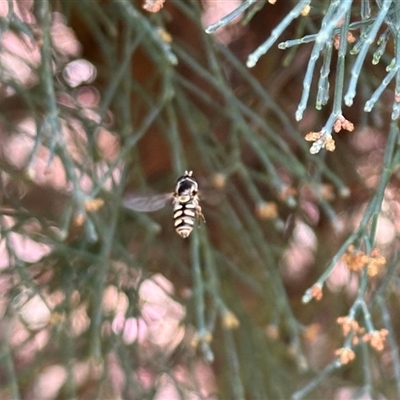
(290,288)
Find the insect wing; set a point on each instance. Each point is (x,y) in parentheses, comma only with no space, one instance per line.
(147,203)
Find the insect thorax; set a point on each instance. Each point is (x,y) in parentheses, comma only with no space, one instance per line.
(186,186)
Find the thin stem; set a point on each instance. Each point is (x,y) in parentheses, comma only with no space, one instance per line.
(229,17)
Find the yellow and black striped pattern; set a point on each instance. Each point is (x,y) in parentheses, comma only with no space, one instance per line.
(186,205)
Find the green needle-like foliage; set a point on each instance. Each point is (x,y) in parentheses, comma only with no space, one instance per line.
(289,288)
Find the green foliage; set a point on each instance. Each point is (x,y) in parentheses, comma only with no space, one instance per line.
(103,100)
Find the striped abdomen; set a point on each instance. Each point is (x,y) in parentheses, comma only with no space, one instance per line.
(185,214)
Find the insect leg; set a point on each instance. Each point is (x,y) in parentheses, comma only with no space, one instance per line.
(199,214)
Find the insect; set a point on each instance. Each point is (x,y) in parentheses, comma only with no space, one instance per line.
(185,202)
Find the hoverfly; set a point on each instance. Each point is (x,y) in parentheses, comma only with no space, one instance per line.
(185,202)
